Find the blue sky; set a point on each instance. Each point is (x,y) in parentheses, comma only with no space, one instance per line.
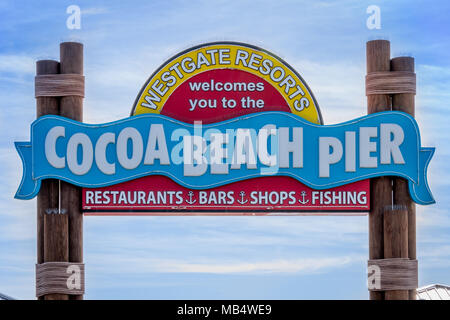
(222,257)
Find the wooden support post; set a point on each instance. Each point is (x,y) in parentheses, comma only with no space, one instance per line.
(405,102)
(71,55)
(53,234)
(378,59)
(48,197)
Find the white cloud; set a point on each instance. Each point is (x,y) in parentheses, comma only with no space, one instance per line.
(20,64)
(134,264)
(275,266)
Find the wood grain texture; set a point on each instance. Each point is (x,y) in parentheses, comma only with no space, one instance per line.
(378,60)
(405,102)
(71,54)
(56,243)
(395,224)
(395,246)
(390,82)
(59,85)
(397,273)
(51,278)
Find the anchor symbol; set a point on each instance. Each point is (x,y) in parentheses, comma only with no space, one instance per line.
(303,201)
(191,201)
(242,194)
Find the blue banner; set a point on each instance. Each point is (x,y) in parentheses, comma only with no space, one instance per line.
(205,156)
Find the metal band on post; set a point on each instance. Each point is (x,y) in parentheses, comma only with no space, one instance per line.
(59,85)
(59,278)
(395,274)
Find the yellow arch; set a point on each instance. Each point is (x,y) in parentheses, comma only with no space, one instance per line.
(227,55)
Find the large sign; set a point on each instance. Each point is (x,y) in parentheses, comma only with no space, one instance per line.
(225,128)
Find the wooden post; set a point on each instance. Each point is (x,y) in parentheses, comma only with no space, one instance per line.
(378,59)
(405,102)
(54,232)
(48,197)
(56,243)
(71,55)
(396,242)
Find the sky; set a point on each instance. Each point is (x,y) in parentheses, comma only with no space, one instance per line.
(222,257)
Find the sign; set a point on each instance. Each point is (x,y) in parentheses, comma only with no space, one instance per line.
(225,128)
(248,197)
(213,155)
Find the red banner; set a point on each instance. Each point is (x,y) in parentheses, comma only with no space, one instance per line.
(261,196)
